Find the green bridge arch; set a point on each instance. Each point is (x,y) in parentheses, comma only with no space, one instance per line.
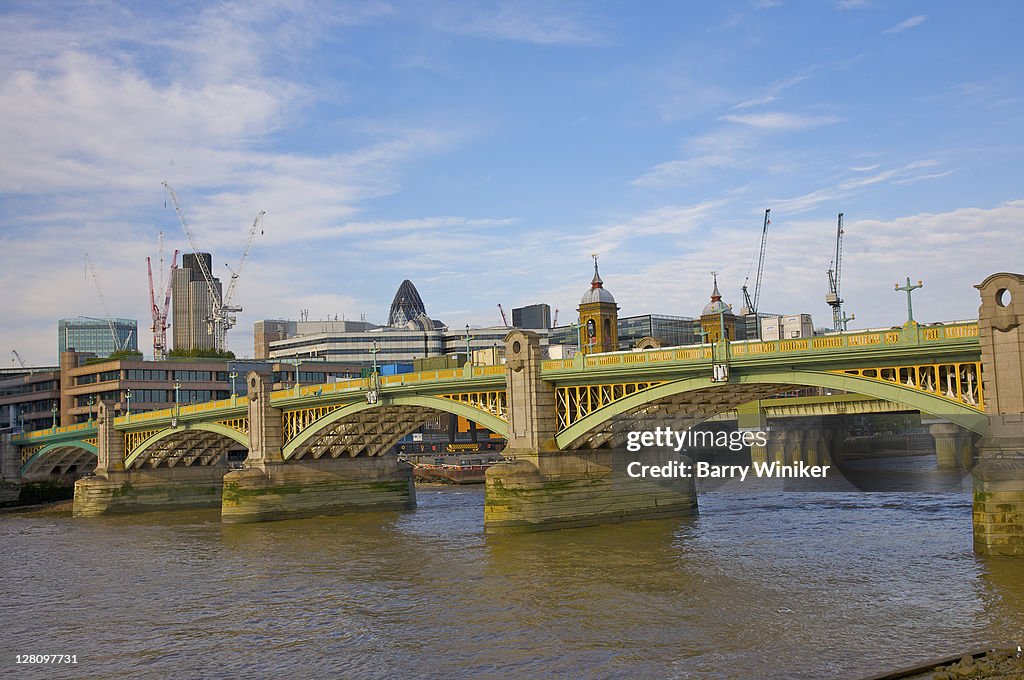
(488,420)
(38,456)
(229,432)
(965,416)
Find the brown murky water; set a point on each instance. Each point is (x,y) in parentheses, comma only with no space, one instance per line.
(763,584)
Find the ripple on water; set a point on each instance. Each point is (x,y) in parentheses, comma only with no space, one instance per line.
(767,583)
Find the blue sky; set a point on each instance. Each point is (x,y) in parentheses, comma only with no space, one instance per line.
(485,149)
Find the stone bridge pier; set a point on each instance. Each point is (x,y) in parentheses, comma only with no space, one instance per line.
(999,473)
(269,487)
(542,488)
(10,471)
(113,488)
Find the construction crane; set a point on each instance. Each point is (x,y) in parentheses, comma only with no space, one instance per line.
(504,319)
(835,279)
(237,271)
(160,312)
(118,345)
(18,357)
(222,318)
(554,322)
(750,306)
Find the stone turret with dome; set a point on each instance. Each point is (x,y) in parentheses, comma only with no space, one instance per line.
(717,318)
(599,317)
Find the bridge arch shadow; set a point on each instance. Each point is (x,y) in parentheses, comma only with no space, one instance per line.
(693,400)
(194,444)
(77,457)
(364,429)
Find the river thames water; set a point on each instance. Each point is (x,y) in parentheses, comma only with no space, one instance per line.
(764,583)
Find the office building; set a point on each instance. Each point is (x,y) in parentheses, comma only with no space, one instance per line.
(150,385)
(532,317)
(270,330)
(101,337)
(28,398)
(409,335)
(192,303)
(388,344)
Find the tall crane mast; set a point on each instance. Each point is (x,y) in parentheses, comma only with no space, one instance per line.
(217,319)
(236,272)
(118,345)
(504,319)
(160,312)
(222,318)
(18,357)
(835,280)
(750,306)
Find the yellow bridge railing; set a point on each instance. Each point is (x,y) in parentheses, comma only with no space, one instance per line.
(826,343)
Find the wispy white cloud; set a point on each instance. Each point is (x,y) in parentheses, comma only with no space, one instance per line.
(906,24)
(772,92)
(849,186)
(541,23)
(781,121)
(711,151)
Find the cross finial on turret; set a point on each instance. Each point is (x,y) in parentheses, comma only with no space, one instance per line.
(596,282)
(715,295)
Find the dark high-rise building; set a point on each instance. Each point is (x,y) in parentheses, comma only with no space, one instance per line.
(192,303)
(532,316)
(407,305)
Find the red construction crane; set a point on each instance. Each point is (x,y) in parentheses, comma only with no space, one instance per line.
(504,319)
(160,312)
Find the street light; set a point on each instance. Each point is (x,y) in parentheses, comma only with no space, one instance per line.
(233,374)
(53,410)
(909,289)
(91,401)
(373,351)
(128,398)
(177,409)
(297,361)
(469,357)
(21,416)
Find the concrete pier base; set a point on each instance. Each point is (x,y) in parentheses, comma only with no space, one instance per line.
(10,492)
(947,446)
(539,491)
(143,490)
(999,506)
(296,489)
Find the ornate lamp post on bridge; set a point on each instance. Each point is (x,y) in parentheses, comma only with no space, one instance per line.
(128,398)
(469,352)
(233,374)
(53,410)
(909,290)
(90,402)
(177,408)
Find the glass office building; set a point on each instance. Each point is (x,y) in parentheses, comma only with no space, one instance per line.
(98,336)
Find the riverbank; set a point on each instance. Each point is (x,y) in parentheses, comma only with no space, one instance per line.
(59,507)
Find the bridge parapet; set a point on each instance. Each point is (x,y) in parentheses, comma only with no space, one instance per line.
(955,336)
